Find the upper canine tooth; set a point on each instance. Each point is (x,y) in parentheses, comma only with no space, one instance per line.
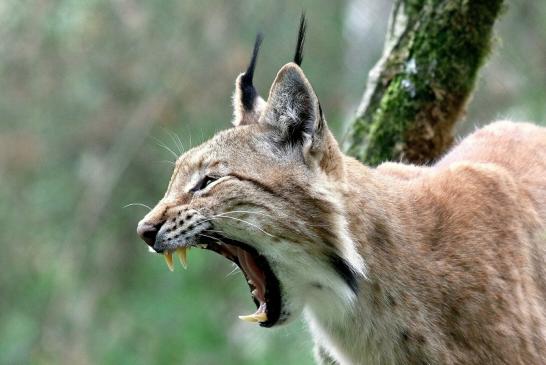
(169,259)
(256,317)
(182,256)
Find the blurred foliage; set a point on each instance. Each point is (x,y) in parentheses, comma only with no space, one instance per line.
(92,90)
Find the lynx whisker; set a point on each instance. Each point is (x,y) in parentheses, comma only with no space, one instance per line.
(211,237)
(137,205)
(172,163)
(240,220)
(246,211)
(177,141)
(161,144)
(234,271)
(213,230)
(269,216)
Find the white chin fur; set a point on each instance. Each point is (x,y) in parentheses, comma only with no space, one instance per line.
(307,280)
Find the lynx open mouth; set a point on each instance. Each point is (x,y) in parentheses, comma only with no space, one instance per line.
(264,285)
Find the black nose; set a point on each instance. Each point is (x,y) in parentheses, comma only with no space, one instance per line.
(148,232)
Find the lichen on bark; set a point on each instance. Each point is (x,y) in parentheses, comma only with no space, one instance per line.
(420,87)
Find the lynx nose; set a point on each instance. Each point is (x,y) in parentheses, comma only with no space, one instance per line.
(148,232)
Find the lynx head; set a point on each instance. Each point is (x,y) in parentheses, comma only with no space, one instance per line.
(261,195)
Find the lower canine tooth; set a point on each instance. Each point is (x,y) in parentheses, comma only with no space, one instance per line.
(256,317)
(169,260)
(182,256)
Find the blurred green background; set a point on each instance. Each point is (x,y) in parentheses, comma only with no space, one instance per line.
(90,93)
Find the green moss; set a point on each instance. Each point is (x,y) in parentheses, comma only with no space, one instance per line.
(413,8)
(430,78)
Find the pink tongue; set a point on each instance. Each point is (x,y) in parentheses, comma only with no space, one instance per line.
(254,273)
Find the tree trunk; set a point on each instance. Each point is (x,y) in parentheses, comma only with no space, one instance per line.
(420,86)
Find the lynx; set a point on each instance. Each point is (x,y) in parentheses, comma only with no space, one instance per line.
(399,264)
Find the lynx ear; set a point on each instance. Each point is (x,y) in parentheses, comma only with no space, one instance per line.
(247,104)
(293,107)
(293,110)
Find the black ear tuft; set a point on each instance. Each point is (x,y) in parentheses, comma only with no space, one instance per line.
(248,90)
(298,56)
(247,103)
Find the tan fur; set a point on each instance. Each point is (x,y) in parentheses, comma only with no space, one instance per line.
(449,258)
(456,252)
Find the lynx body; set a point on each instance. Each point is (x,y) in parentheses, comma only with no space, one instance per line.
(390,265)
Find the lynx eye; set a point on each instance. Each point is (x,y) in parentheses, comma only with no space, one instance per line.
(203,183)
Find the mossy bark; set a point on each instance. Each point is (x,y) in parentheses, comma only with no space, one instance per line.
(420,87)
